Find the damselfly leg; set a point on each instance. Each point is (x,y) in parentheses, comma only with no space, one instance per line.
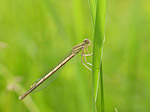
(83,55)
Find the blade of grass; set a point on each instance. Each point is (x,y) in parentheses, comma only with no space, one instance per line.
(97,78)
(92,4)
(15,86)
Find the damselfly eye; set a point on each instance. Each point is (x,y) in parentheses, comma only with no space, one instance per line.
(87,41)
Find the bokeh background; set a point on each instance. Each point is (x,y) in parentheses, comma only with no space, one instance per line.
(36,34)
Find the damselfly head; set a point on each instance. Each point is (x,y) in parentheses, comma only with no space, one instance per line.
(87,41)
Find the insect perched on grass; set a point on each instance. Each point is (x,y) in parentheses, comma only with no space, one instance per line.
(75,50)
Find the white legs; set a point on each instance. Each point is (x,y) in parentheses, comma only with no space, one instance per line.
(84,56)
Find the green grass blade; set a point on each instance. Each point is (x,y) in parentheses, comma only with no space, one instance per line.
(9,78)
(99,28)
(93,9)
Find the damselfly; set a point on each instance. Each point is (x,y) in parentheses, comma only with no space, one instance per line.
(75,50)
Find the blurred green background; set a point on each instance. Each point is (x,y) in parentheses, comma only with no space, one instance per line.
(35,35)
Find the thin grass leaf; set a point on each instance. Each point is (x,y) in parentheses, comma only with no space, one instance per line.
(15,87)
(92,4)
(99,28)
